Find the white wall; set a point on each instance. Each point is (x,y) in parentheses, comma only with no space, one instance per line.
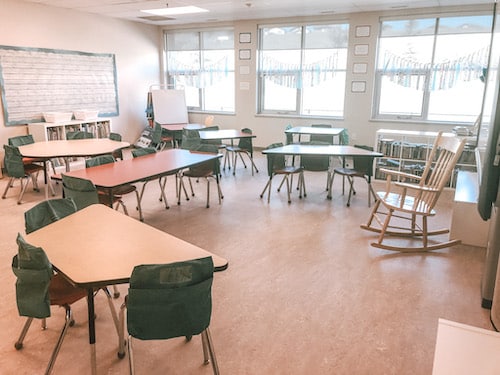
(138,58)
(135,47)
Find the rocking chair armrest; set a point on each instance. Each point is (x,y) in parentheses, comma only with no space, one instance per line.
(416,187)
(392,172)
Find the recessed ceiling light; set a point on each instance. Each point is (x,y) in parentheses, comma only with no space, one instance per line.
(175,11)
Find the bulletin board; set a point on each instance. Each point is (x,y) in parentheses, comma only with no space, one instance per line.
(169,106)
(37,80)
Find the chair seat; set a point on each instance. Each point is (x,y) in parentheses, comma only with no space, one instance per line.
(394,200)
(288,170)
(63,293)
(349,172)
(32,168)
(124,189)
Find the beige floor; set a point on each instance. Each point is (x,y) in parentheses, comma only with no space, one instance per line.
(304,293)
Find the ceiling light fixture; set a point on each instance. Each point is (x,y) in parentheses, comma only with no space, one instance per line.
(174,11)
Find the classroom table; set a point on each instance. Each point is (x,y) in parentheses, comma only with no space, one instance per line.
(462,349)
(68,149)
(323,150)
(106,252)
(231,134)
(122,172)
(312,130)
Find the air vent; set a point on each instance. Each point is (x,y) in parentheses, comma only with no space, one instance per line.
(156,18)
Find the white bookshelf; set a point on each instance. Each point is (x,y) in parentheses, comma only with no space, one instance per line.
(46,131)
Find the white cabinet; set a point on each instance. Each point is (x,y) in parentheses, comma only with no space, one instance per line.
(45,131)
(407,151)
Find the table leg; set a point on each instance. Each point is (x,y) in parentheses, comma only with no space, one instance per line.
(91,318)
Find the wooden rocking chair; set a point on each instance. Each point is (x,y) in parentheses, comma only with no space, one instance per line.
(402,202)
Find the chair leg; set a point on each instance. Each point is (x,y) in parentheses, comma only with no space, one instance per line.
(208,192)
(130,356)
(205,335)
(268,186)
(19,343)
(67,323)
(8,186)
(112,309)
(163,182)
(121,331)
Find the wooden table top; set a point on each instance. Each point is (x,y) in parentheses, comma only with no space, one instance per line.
(322,150)
(140,168)
(99,246)
(71,148)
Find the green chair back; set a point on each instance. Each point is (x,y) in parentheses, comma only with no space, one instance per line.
(319,137)
(33,271)
(82,191)
(190,139)
(363,164)
(13,162)
(115,136)
(143,151)
(315,163)
(47,212)
(246,143)
(274,162)
(21,140)
(344,137)
(99,160)
(79,135)
(213,165)
(170,300)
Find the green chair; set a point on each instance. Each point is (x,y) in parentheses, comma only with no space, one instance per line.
(119,191)
(27,139)
(47,212)
(316,163)
(167,301)
(16,168)
(206,170)
(37,288)
(190,139)
(160,138)
(328,139)
(79,134)
(84,193)
(276,166)
(363,168)
(117,154)
(245,146)
(138,152)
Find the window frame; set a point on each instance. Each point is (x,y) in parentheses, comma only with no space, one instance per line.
(260,90)
(167,78)
(427,73)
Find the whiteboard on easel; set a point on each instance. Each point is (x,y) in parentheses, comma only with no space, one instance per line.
(169,106)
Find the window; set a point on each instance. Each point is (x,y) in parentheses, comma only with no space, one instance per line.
(202,63)
(302,69)
(431,69)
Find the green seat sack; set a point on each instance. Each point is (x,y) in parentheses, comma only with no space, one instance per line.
(170,300)
(34,272)
(82,191)
(47,212)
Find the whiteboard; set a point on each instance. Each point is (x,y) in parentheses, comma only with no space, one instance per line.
(169,106)
(37,80)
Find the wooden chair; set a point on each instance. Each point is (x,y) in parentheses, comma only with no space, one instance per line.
(402,202)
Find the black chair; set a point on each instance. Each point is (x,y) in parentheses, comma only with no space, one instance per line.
(276,166)
(362,167)
(167,301)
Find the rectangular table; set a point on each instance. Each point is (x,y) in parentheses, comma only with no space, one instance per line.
(323,150)
(462,350)
(106,252)
(211,135)
(147,167)
(312,130)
